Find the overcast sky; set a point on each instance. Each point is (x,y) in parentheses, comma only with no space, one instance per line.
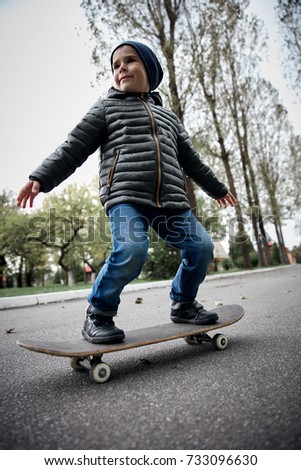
(45,83)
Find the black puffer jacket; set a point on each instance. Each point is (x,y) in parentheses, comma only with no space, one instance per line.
(145,152)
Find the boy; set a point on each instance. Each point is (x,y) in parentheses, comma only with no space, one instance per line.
(145,152)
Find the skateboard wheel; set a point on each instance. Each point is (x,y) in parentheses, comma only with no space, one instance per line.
(100,372)
(190,340)
(76,363)
(220,341)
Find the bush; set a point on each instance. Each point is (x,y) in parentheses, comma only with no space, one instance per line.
(276,260)
(227,264)
(162,262)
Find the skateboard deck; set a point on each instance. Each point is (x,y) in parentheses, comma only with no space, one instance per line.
(81,351)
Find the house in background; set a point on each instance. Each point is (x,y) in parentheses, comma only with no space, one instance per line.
(88,274)
(219,255)
(292,258)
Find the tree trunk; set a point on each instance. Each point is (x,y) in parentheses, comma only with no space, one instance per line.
(237,109)
(3,264)
(224,155)
(70,278)
(20,274)
(281,244)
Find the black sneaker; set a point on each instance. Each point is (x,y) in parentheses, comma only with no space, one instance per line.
(101,329)
(194,313)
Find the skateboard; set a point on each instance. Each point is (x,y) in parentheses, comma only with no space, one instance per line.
(85,355)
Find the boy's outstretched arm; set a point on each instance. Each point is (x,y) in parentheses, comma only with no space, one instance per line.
(28,192)
(228,199)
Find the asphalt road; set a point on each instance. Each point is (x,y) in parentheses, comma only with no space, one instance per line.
(166,396)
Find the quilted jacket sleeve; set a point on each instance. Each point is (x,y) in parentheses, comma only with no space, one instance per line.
(81,142)
(195,169)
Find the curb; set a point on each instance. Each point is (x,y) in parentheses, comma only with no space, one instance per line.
(38,299)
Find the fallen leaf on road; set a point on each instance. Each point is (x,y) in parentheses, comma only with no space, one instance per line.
(10,330)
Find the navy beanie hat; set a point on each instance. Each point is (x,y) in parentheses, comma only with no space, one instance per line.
(152,65)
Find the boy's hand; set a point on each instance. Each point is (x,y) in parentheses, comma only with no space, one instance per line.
(29,191)
(228,199)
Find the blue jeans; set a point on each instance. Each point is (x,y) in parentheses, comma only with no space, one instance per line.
(129,227)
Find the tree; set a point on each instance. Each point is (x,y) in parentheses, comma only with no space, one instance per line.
(289,16)
(294,168)
(276,258)
(96,241)
(277,154)
(18,258)
(235,253)
(240,97)
(162,262)
(63,225)
(209,29)
(5,207)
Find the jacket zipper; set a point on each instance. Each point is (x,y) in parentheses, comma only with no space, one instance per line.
(148,109)
(112,170)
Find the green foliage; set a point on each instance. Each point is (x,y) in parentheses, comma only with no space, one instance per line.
(227,264)
(78,273)
(162,262)
(254,259)
(73,226)
(276,260)
(68,231)
(57,279)
(21,259)
(235,253)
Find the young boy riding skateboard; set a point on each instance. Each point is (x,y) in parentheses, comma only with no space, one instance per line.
(144,154)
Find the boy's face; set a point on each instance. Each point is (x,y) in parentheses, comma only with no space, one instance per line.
(129,72)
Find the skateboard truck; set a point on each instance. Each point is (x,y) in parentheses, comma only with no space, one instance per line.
(219,341)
